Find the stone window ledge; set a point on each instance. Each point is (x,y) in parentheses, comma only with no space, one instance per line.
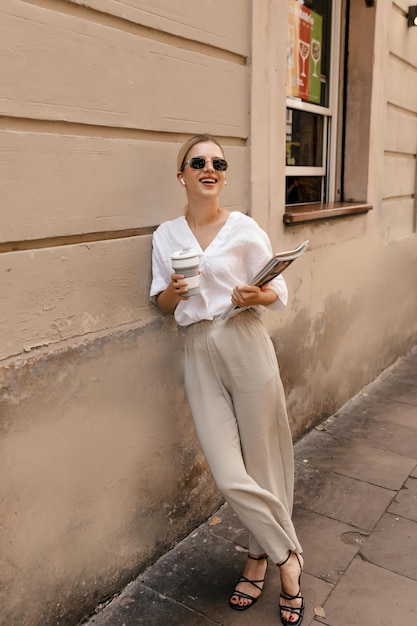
(297,213)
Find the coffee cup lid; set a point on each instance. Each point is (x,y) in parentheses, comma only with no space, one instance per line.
(185,253)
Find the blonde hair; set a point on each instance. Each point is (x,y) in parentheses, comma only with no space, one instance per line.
(186,147)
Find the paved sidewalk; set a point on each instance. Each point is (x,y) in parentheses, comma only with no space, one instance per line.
(355,514)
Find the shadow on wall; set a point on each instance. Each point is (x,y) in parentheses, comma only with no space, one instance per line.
(101,472)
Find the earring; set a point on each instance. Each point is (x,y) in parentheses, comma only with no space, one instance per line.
(225,182)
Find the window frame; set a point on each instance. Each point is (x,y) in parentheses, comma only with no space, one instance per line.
(330,114)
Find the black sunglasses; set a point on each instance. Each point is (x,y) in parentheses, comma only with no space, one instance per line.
(197,163)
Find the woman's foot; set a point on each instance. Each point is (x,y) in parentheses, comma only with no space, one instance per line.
(250,586)
(291,601)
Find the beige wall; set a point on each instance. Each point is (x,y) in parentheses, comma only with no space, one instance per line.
(353,303)
(100,470)
(398,209)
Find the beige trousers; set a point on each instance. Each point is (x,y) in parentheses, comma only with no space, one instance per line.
(238,406)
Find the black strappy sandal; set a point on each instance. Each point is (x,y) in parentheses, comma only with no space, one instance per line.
(299,610)
(255,583)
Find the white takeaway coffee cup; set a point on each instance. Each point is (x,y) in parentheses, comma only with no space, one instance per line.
(187,263)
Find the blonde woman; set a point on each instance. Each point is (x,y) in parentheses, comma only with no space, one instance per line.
(231,372)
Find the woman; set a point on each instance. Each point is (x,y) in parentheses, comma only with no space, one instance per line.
(231,373)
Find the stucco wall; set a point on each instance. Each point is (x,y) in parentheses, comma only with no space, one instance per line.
(398,207)
(353,295)
(100,470)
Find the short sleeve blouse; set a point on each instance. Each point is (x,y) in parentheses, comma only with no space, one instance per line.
(234,256)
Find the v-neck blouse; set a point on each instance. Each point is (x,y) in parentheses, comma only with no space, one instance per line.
(234,256)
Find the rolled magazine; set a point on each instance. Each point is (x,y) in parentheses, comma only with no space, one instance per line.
(273,268)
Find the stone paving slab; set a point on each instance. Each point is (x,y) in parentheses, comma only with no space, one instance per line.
(385,434)
(384,410)
(393,545)
(201,573)
(369,595)
(409,396)
(225,523)
(357,460)
(144,607)
(329,546)
(339,497)
(405,502)
(397,413)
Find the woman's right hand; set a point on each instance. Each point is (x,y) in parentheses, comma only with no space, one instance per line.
(179,285)
(168,299)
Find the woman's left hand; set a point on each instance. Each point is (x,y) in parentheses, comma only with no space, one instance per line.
(250,295)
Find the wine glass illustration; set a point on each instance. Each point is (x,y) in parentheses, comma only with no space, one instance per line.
(315,53)
(304,49)
(290,47)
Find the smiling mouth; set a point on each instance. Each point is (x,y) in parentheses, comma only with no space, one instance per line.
(208,181)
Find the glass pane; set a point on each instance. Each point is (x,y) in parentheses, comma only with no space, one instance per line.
(304,139)
(308,50)
(300,189)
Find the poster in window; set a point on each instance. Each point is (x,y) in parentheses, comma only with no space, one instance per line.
(304,45)
(292,52)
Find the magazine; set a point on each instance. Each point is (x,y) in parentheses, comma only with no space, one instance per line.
(273,268)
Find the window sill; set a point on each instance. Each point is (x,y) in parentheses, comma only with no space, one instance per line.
(297,213)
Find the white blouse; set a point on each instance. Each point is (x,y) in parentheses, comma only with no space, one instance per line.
(235,255)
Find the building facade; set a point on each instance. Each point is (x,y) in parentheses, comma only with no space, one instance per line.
(316,106)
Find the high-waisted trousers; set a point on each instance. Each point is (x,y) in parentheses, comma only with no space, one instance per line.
(238,406)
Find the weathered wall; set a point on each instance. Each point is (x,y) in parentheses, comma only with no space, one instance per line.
(353,295)
(100,470)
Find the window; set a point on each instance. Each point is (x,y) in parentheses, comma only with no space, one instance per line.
(312,87)
(327,158)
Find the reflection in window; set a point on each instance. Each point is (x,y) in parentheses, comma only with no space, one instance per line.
(304,139)
(301,189)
